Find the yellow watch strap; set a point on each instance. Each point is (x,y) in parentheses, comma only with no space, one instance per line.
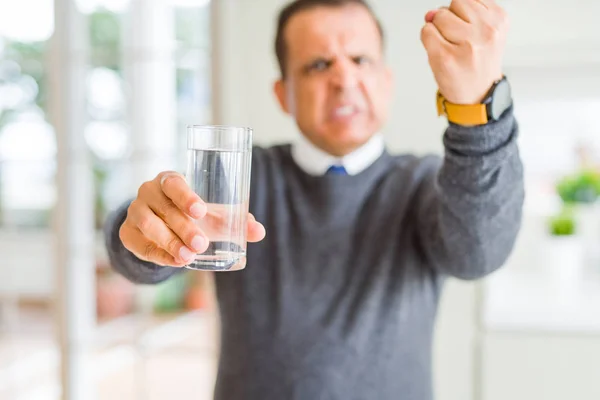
(472,114)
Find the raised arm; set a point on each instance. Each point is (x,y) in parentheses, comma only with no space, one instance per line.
(470,208)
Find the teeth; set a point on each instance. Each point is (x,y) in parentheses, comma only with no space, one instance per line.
(344,111)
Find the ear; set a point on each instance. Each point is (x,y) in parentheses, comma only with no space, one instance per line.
(280,92)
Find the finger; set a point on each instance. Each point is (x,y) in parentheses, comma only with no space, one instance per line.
(181,224)
(467,10)
(454,29)
(256,231)
(144,249)
(174,186)
(489,4)
(433,40)
(217,226)
(156,231)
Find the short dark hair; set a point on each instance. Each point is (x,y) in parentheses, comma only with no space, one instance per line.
(297,6)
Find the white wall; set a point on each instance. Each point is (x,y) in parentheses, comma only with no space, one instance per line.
(548,367)
(552,32)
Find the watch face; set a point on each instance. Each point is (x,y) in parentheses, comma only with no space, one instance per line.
(501,99)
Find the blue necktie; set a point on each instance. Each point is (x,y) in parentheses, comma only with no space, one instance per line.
(336,170)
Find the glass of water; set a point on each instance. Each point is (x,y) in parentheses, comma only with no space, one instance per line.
(218,170)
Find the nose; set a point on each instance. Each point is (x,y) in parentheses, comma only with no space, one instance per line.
(344,74)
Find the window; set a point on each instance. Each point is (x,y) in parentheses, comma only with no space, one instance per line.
(27,140)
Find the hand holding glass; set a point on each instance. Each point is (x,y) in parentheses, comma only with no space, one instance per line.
(218,170)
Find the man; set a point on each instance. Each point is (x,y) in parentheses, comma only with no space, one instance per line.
(338,301)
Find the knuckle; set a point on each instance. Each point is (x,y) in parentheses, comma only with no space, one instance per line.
(441,13)
(426,33)
(146,223)
(448,64)
(135,214)
(490,33)
(189,231)
(173,245)
(166,209)
(122,234)
(163,174)
(502,14)
(133,208)
(470,47)
(134,204)
(149,250)
(504,20)
(455,3)
(168,179)
(187,200)
(144,190)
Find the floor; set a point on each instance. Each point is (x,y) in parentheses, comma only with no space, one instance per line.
(139,357)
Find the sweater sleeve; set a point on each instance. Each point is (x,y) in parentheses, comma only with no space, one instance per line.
(124,261)
(470,208)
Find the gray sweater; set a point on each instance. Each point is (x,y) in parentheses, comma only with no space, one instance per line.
(339,300)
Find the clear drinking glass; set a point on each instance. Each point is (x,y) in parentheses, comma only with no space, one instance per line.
(218,170)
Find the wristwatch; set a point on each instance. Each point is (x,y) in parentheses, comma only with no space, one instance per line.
(497,100)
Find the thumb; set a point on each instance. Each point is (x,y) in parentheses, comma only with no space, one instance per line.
(430,15)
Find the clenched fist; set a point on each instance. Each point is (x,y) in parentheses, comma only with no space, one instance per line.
(465,46)
(161,224)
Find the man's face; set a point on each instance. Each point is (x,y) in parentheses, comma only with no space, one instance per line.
(337,86)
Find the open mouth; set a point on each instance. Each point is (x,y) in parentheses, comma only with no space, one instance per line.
(344,112)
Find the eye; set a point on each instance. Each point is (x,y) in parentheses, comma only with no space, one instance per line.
(361,60)
(318,65)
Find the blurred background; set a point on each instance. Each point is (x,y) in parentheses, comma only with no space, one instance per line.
(94,99)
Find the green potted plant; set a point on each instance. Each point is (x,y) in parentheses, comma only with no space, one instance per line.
(580,188)
(562,224)
(563,252)
(581,191)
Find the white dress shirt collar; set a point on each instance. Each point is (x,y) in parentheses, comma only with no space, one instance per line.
(315,161)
